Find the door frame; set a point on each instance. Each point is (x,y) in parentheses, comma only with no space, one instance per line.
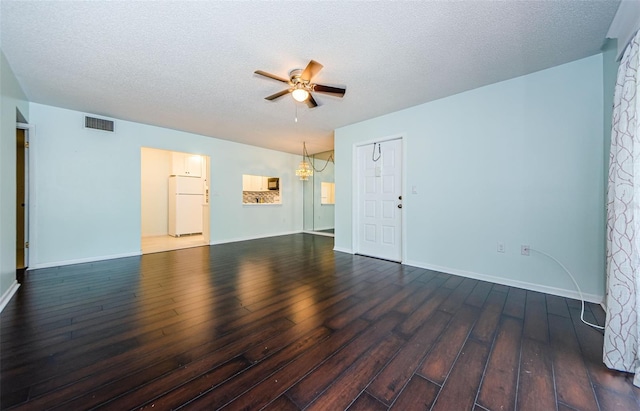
(29,192)
(206,207)
(355,193)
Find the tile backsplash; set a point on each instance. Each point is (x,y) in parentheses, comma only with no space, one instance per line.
(264,197)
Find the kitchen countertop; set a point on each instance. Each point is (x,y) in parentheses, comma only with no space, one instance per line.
(261,204)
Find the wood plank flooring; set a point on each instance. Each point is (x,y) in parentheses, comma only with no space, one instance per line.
(286,323)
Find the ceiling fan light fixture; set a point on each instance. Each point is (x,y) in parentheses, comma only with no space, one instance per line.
(301,86)
(300,94)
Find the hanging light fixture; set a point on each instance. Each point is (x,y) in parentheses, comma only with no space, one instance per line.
(304,170)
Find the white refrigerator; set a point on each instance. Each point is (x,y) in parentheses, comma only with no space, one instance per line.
(185,205)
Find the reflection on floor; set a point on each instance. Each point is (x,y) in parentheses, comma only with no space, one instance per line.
(20,258)
(160,243)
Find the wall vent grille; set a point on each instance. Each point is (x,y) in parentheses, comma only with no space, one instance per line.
(98,124)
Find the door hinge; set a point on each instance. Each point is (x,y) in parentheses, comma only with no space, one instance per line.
(26,245)
(26,144)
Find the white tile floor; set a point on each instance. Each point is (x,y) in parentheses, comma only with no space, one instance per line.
(161,243)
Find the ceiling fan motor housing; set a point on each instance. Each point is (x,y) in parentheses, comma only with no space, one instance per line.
(297,82)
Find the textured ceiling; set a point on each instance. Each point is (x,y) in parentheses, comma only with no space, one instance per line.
(189,65)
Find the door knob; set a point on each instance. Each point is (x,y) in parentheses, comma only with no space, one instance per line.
(399,205)
(399,197)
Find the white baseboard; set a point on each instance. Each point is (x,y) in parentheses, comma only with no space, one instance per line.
(6,297)
(83,260)
(322,228)
(343,250)
(592,298)
(238,239)
(319,233)
(114,256)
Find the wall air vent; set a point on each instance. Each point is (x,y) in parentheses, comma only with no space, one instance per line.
(98,123)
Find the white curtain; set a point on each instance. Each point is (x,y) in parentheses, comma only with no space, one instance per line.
(622,332)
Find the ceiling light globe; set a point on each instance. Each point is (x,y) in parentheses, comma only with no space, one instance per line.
(300,94)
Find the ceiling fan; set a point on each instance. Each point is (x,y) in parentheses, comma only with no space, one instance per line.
(300,85)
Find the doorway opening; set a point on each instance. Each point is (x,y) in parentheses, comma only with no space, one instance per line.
(174,200)
(378,200)
(22,200)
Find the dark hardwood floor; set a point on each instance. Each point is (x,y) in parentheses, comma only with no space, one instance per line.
(288,324)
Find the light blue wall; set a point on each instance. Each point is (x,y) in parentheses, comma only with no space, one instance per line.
(87,187)
(518,162)
(12,98)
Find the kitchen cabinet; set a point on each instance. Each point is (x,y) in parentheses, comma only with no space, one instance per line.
(185,164)
(327,193)
(254,183)
(247,183)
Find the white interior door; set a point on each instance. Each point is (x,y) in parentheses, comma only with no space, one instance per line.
(379,181)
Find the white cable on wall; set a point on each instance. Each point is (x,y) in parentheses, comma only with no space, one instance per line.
(574,282)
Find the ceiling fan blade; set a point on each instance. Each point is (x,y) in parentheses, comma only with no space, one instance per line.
(311,102)
(311,70)
(337,91)
(278,94)
(271,76)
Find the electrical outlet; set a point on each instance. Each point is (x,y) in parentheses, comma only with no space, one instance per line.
(501,247)
(524,250)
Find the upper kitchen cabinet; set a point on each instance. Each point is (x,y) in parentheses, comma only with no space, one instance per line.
(327,193)
(254,183)
(185,164)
